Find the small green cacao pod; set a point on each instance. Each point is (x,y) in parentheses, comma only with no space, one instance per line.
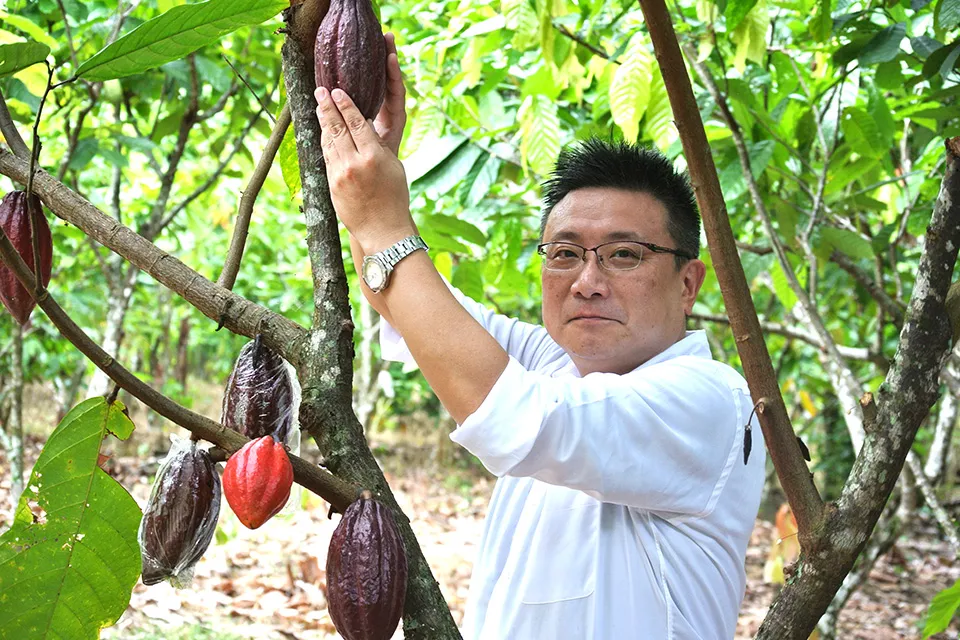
(15,222)
(258,400)
(366,572)
(351,54)
(257,481)
(181,516)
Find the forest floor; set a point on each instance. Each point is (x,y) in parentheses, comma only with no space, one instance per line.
(270,583)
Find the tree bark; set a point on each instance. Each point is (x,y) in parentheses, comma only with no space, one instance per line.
(326,363)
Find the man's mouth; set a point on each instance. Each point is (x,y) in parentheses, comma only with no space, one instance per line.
(592,318)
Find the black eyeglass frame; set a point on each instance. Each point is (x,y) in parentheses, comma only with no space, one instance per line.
(654,248)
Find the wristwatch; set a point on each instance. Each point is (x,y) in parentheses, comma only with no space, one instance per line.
(376,269)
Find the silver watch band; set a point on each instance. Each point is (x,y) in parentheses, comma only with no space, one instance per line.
(392,255)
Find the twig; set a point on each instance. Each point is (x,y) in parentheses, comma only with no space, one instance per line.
(247,84)
(10,133)
(596,50)
(33,210)
(943,518)
(66,29)
(330,488)
(231,267)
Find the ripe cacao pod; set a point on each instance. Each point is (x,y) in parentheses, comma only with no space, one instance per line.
(181,515)
(259,397)
(351,54)
(366,572)
(257,481)
(15,222)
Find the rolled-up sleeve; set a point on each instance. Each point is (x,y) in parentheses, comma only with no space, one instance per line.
(662,437)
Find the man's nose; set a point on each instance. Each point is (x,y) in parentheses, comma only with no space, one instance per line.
(591,279)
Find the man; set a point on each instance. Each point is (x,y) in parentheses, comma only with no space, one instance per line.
(623,506)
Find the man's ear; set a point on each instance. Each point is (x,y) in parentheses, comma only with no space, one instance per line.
(691,274)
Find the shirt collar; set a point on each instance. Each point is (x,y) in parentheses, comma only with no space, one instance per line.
(694,343)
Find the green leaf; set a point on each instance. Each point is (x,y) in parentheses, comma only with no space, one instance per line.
(848,242)
(884,46)
(20,55)
(630,89)
(751,36)
(31,29)
(862,133)
(290,162)
(482,176)
(822,24)
(451,172)
(468,277)
(942,609)
(175,34)
(456,228)
(71,559)
(879,110)
(946,16)
(540,131)
(83,154)
(429,156)
(736,11)
(781,286)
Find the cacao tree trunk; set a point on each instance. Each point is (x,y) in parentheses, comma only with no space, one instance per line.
(326,363)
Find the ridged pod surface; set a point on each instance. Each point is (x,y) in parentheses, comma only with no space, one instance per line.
(351,54)
(181,515)
(257,481)
(366,572)
(258,400)
(15,222)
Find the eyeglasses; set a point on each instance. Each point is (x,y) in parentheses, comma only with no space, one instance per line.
(619,255)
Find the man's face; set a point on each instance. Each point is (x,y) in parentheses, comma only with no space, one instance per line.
(614,321)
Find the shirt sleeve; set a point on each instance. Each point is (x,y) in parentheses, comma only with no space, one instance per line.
(661,438)
(530,344)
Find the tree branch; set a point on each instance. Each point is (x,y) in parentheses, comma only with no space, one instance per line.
(335,491)
(781,440)
(10,133)
(231,267)
(234,312)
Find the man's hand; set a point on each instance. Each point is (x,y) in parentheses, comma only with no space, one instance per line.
(390,121)
(368,185)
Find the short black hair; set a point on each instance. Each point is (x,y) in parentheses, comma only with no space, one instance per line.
(620,165)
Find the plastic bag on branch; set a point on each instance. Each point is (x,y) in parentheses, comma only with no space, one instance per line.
(262,398)
(181,516)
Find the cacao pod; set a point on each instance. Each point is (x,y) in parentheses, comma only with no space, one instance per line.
(366,572)
(258,400)
(257,481)
(15,222)
(181,515)
(351,54)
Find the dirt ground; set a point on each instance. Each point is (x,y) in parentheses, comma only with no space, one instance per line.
(270,583)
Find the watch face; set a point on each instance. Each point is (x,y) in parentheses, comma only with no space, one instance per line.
(374,274)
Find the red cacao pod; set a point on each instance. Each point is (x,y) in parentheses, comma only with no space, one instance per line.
(181,516)
(15,222)
(366,572)
(258,400)
(351,54)
(257,481)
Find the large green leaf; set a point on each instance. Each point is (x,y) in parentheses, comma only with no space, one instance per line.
(71,559)
(540,131)
(630,89)
(31,29)
(884,46)
(862,133)
(946,16)
(942,608)
(848,242)
(175,34)
(20,55)
(736,11)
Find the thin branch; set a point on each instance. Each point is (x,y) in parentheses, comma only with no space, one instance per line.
(778,433)
(893,308)
(590,47)
(10,132)
(231,267)
(929,495)
(247,84)
(66,29)
(330,488)
(209,182)
(33,209)
(232,311)
(853,353)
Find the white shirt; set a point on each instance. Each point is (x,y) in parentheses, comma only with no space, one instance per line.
(623,506)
